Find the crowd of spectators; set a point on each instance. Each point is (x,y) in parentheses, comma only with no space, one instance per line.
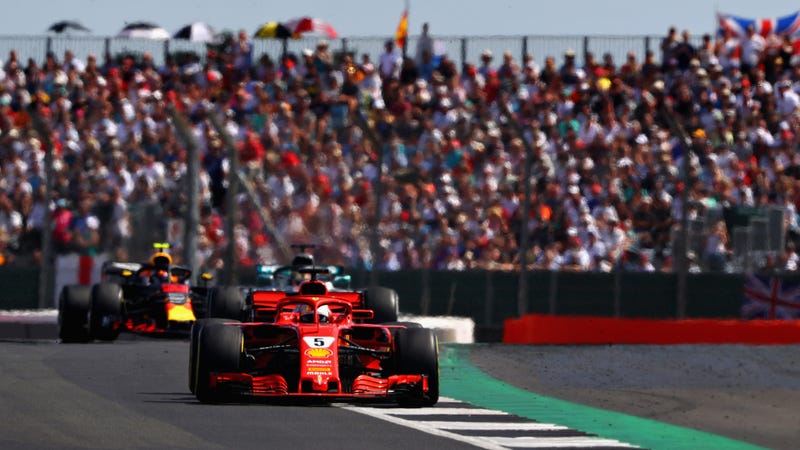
(606,171)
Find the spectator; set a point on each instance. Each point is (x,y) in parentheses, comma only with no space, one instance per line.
(85,229)
(241,54)
(424,45)
(669,45)
(752,49)
(390,61)
(684,52)
(10,223)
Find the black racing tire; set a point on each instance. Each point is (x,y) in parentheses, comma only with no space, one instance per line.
(73,314)
(383,302)
(105,316)
(226,302)
(219,350)
(194,342)
(417,353)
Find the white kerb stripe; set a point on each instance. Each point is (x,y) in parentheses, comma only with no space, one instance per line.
(559,442)
(494,426)
(445,411)
(422,426)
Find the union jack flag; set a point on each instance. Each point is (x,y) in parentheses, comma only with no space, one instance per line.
(786,25)
(770,298)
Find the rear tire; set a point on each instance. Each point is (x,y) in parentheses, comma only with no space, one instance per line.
(73,314)
(194,342)
(219,350)
(417,353)
(106,313)
(383,302)
(225,302)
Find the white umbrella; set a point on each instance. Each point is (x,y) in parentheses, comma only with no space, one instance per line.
(197,32)
(143,30)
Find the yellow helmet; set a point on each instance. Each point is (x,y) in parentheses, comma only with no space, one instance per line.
(160,258)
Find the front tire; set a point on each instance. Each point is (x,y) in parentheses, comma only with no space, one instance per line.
(219,350)
(74,304)
(106,312)
(417,353)
(194,343)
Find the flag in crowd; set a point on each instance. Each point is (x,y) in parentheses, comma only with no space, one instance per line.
(401,35)
(781,26)
(770,298)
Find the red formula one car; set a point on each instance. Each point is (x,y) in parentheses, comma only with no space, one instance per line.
(316,345)
(153,297)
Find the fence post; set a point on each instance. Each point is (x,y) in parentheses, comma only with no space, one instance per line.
(646,44)
(47,274)
(344,47)
(231,262)
(166,49)
(524,49)
(463,51)
(192,215)
(48,46)
(585,46)
(377,187)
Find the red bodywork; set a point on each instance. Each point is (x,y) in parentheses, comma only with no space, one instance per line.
(289,356)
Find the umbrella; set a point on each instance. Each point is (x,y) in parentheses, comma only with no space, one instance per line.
(197,32)
(143,30)
(66,25)
(272,30)
(303,25)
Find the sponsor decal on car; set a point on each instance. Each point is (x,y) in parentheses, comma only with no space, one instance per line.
(317,370)
(319,362)
(318,353)
(319,341)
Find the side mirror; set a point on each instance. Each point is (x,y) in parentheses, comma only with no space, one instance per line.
(363,314)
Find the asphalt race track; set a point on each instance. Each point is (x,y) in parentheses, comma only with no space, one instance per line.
(132,394)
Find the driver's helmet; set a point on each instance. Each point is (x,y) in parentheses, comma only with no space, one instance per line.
(307,313)
(301,260)
(161,260)
(324,313)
